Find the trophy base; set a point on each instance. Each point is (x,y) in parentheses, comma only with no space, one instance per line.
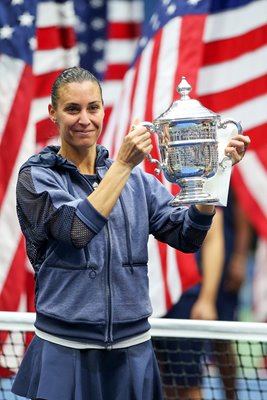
(178,201)
(192,192)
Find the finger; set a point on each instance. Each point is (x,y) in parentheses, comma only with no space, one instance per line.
(135,123)
(240,141)
(237,147)
(139,129)
(148,149)
(232,153)
(242,138)
(236,144)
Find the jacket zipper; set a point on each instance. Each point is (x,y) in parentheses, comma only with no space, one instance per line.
(128,234)
(109,333)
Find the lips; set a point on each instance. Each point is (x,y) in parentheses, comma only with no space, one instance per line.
(84,133)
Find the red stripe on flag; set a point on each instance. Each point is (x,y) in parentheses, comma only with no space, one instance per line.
(45,131)
(163,258)
(108,110)
(55,37)
(150,167)
(256,135)
(188,65)
(228,49)
(124,30)
(15,280)
(190,50)
(230,98)
(116,71)
(44,82)
(189,273)
(29,279)
(153,75)
(15,128)
(262,152)
(248,203)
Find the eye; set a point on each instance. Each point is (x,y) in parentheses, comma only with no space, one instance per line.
(71,109)
(93,107)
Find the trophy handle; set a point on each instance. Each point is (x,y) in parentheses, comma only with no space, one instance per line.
(153,129)
(224,122)
(224,163)
(150,127)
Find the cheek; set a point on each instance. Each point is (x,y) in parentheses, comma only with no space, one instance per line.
(64,128)
(67,122)
(101,119)
(98,122)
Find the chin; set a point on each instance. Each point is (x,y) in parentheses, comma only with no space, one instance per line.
(86,145)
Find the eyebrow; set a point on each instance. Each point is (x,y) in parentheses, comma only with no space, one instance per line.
(77,104)
(71,104)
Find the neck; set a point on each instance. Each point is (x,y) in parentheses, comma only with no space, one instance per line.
(84,161)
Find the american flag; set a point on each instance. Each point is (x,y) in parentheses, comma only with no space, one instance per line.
(37,41)
(233,82)
(124,29)
(220,46)
(17,33)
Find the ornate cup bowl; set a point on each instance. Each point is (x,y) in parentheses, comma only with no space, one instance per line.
(188,145)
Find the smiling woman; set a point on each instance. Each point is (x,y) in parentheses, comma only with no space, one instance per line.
(77,109)
(86,220)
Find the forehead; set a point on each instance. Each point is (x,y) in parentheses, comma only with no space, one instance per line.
(77,92)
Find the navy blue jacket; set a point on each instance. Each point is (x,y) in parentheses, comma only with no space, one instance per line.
(91,272)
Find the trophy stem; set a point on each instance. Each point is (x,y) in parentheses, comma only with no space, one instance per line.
(192,192)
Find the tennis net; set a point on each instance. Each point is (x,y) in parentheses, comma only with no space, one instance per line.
(224,360)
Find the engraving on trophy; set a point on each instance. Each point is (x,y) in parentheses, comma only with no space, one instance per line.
(188,145)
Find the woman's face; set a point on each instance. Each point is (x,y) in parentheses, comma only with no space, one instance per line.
(79,114)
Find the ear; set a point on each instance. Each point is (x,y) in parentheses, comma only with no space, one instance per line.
(52,113)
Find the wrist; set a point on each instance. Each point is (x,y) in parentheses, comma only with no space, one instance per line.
(209,298)
(122,166)
(205,209)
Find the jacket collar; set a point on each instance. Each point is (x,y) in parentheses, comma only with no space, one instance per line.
(49,158)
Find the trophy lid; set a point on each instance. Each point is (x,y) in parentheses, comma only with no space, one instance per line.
(185,108)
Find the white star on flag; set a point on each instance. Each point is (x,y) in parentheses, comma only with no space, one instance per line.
(6,32)
(26,19)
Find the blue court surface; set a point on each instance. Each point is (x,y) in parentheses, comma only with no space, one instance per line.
(247,389)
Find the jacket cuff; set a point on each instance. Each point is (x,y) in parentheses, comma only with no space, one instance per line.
(199,218)
(90,216)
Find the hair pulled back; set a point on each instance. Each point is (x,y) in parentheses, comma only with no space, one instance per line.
(70,75)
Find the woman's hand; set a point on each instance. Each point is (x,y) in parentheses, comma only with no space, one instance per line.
(136,145)
(237,147)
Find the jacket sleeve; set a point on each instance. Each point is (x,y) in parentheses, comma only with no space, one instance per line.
(187,231)
(46,209)
(183,228)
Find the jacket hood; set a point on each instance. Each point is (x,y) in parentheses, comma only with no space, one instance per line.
(49,158)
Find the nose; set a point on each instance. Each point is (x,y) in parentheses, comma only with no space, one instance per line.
(84,117)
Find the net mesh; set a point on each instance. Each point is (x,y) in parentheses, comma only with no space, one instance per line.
(221,369)
(197,359)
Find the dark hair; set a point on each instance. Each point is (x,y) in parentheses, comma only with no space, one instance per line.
(69,75)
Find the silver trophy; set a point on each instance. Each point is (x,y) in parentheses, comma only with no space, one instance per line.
(188,144)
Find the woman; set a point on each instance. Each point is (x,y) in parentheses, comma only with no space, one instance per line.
(86,221)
